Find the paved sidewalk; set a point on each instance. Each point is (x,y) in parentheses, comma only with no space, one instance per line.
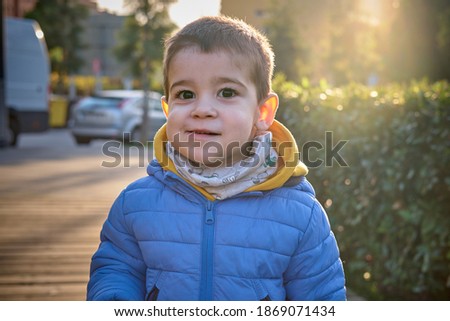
(54,197)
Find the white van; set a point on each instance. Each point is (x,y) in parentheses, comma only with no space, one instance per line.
(27,77)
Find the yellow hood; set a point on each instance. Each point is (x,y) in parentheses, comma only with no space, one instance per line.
(283,141)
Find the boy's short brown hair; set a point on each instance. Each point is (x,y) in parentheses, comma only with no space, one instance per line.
(211,34)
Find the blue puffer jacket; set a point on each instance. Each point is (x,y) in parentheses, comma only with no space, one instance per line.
(164,240)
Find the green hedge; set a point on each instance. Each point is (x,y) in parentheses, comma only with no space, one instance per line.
(389,206)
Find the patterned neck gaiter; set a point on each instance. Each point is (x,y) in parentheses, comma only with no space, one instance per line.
(226,181)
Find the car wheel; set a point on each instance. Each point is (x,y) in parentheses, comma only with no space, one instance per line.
(82,140)
(13,132)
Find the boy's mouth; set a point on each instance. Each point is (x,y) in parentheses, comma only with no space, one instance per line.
(202,132)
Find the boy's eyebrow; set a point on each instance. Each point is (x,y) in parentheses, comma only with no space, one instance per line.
(221,80)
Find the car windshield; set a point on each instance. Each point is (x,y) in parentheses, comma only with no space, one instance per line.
(100,102)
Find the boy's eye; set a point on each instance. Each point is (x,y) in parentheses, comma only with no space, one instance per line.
(227,93)
(185,94)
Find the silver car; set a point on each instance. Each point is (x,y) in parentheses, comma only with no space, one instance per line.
(114,114)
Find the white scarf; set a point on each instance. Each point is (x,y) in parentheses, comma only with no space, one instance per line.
(225,181)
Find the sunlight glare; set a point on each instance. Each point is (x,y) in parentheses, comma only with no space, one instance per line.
(113,6)
(181,12)
(185,11)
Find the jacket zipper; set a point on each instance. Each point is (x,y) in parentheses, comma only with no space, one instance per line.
(207,254)
(153,294)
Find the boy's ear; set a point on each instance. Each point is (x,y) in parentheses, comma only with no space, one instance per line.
(165,106)
(267,111)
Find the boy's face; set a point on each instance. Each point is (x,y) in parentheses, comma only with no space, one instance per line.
(212,111)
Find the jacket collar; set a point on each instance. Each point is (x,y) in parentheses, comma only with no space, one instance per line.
(283,141)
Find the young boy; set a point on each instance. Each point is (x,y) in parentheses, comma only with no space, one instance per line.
(225,212)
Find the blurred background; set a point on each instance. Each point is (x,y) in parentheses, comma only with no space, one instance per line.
(373,73)
(366,41)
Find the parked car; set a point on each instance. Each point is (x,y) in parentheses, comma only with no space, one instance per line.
(114,114)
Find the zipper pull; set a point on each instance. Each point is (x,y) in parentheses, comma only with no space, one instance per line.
(209,219)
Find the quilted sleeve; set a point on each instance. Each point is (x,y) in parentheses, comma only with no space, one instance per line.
(117,268)
(315,271)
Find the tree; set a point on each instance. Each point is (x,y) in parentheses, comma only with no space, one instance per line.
(291,55)
(322,39)
(62,24)
(140,44)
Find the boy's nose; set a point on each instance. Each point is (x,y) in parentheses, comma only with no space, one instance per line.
(204,107)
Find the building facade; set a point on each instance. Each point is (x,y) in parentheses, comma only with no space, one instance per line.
(17,8)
